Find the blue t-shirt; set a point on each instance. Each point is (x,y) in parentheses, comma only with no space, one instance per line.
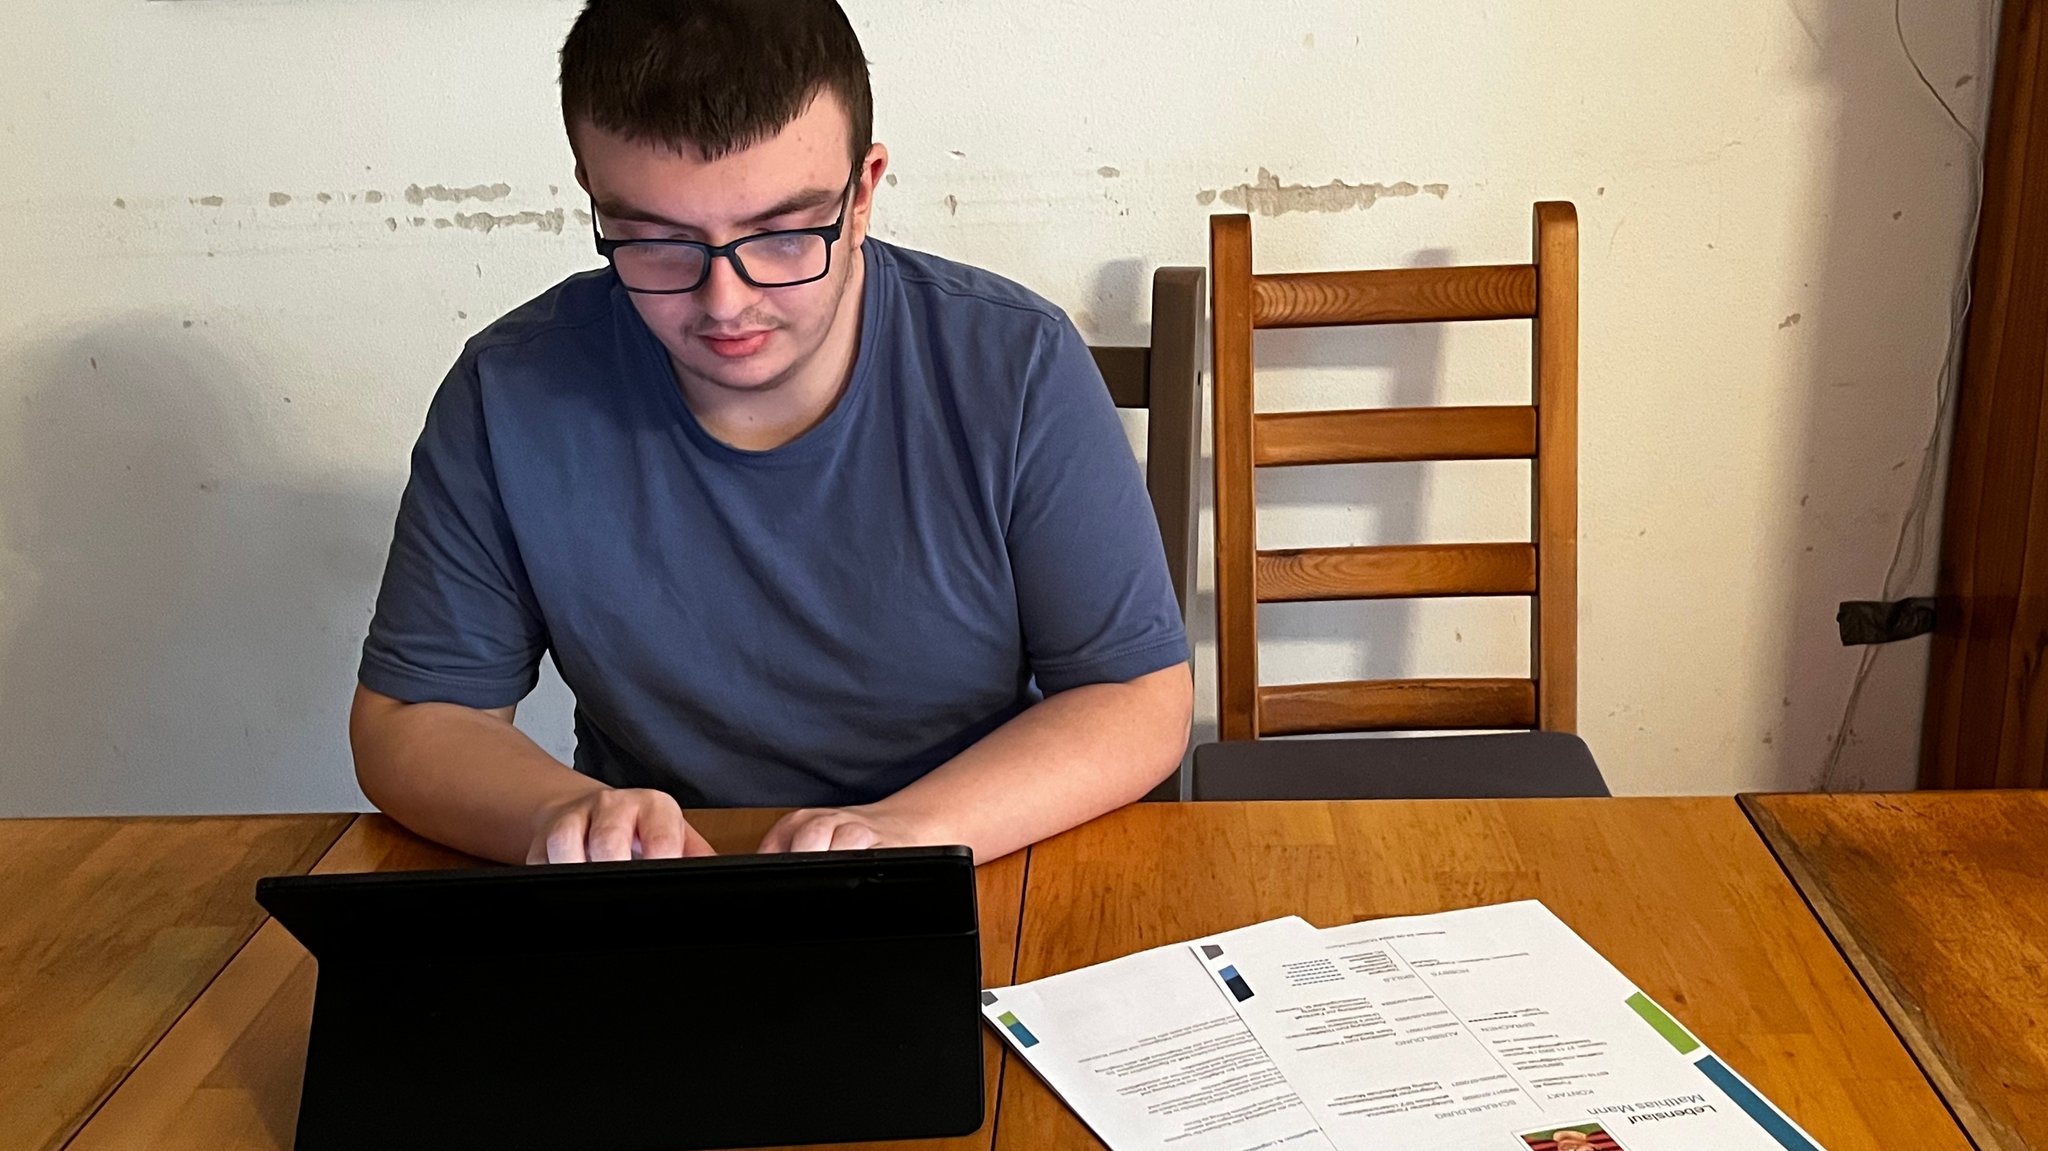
(821,623)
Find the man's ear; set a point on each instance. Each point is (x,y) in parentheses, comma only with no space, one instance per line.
(872,168)
(582,180)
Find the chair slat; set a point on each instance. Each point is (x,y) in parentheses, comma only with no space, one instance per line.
(1174,439)
(1237,621)
(1555,635)
(1397,705)
(1393,435)
(1127,371)
(1397,572)
(1394,296)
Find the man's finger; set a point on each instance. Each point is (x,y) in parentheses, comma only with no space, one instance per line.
(852,837)
(565,838)
(661,832)
(814,835)
(611,834)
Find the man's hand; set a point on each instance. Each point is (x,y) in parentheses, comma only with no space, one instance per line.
(842,829)
(614,824)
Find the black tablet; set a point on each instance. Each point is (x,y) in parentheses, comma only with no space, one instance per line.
(730,1001)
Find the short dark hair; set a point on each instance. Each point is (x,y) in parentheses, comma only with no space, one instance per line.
(716,75)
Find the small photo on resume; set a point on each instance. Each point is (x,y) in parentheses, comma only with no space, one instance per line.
(1577,1137)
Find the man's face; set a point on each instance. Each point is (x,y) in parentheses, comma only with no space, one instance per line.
(729,334)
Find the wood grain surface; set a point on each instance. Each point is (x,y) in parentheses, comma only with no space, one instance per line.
(228,1075)
(1394,296)
(1393,435)
(1940,900)
(1396,571)
(1230,335)
(1986,722)
(1554,632)
(1680,894)
(1396,705)
(108,929)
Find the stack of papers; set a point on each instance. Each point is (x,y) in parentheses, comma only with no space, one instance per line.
(1490,1028)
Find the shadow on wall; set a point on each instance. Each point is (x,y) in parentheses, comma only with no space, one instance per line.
(1865,384)
(180,621)
(1119,305)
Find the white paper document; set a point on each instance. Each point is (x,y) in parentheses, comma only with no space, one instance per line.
(1490,1028)
(1149,1053)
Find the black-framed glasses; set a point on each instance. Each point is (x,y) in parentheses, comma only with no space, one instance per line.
(781,259)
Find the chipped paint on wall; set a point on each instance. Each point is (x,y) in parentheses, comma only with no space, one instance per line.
(416,195)
(551,221)
(1267,196)
(486,222)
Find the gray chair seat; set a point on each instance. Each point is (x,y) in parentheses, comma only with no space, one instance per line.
(1511,765)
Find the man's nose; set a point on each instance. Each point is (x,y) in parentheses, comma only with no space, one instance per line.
(724,296)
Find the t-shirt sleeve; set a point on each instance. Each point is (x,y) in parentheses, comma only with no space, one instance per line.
(1093,593)
(455,620)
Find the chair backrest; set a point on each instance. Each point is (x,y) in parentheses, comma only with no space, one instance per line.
(1165,378)
(1545,431)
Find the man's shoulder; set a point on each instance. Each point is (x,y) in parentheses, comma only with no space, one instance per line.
(951,290)
(565,314)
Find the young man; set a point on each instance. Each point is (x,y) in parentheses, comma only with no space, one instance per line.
(806,519)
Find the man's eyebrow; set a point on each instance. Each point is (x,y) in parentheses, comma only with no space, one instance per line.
(804,201)
(796,202)
(627,212)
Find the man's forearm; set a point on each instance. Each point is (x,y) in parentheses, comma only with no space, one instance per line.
(457,775)
(1061,763)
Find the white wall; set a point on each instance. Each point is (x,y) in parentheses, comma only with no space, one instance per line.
(221,320)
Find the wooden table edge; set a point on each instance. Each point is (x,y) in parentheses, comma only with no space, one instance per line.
(85,1119)
(1897,1016)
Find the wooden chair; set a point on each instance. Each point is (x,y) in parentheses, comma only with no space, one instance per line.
(1545,431)
(1165,379)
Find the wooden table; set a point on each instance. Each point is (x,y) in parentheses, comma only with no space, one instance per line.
(108,929)
(1940,900)
(1680,893)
